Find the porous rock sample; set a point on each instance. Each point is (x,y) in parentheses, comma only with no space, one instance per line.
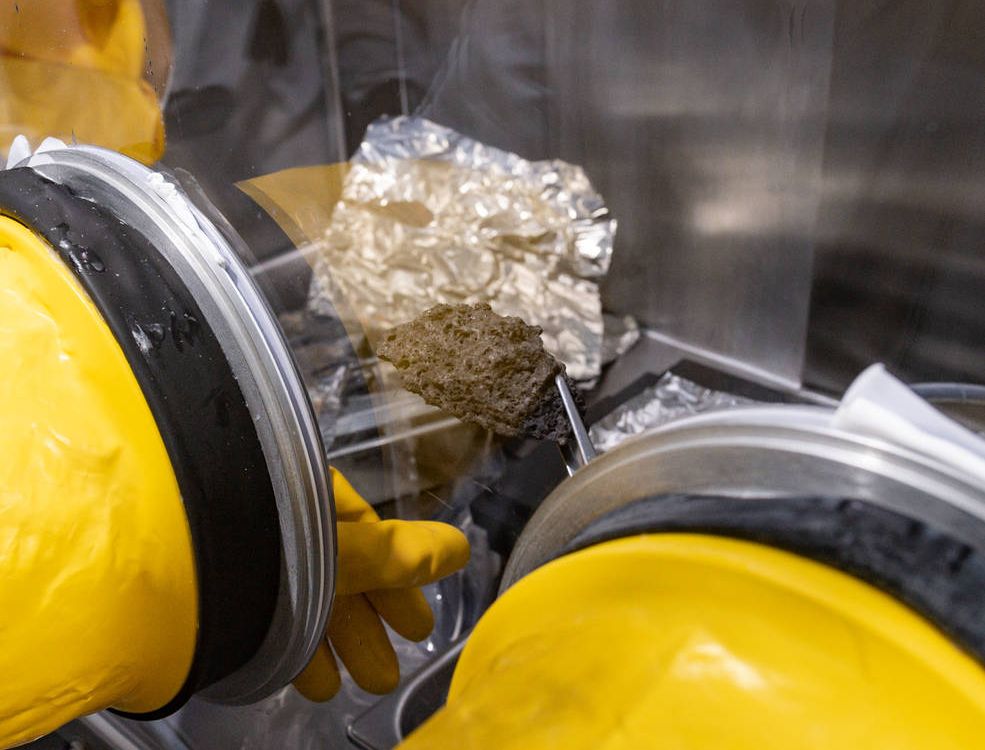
(483,368)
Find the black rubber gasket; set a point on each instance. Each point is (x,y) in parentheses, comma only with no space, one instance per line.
(926,569)
(199,409)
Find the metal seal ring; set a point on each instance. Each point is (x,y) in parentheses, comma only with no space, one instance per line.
(766,451)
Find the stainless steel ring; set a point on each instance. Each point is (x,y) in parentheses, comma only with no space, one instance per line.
(767,451)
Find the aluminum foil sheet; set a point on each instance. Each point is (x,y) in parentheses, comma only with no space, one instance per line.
(621,335)
(670,398)
(428,215)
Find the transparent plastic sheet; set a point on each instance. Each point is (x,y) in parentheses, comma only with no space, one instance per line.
(672,397)
(331,372)
(427,215)
(335,379)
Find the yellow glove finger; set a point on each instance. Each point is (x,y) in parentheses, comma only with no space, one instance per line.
(360,640)
(397,554)
(405,610)
(349,504)
(320,680)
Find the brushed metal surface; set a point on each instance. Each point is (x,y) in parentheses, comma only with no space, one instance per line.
(702,123)
(759,154)
(899,261)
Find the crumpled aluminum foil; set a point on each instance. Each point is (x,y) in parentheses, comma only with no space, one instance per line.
(621,334)
(428,215)
(670,398)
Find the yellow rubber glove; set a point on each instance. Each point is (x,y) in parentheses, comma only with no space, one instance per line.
(381,565)
(78,70)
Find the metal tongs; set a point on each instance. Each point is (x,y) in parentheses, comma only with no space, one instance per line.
(578,452)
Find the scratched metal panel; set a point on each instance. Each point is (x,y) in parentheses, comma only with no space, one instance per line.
(900,255)
(702,124)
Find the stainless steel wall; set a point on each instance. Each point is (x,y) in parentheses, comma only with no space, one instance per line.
(759,154)
(701,122)
(900,240)
(797,183)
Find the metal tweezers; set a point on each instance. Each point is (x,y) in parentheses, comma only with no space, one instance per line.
(578,452)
